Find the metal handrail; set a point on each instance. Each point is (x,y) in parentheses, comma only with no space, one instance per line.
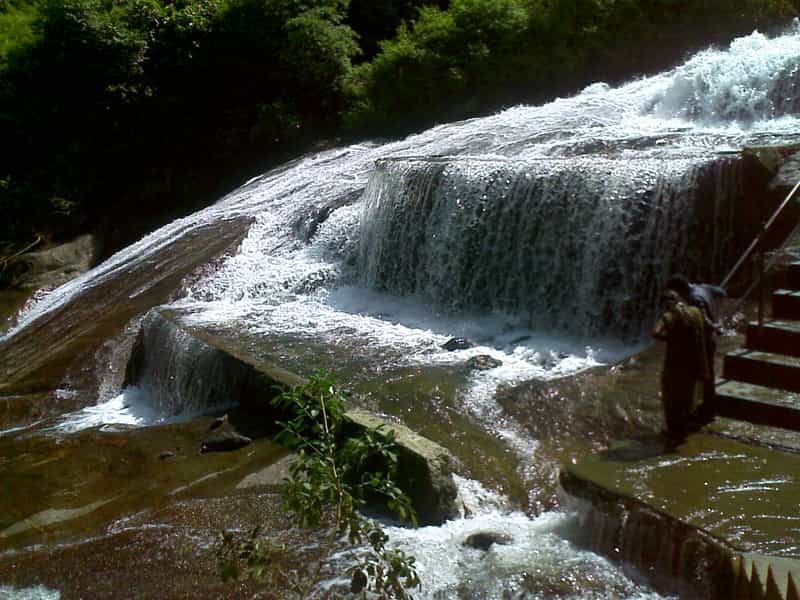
(761,268)
(758,238)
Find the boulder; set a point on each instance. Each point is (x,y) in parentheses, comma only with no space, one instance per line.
(425,472)
(483,362)
(457,343)
(483,540)
(55,266)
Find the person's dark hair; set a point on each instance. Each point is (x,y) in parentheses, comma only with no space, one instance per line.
(679,283)
(670,298)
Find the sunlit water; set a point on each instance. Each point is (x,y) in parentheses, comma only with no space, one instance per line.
(541,234)
(538,560)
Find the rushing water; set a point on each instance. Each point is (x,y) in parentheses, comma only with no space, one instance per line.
(541,234)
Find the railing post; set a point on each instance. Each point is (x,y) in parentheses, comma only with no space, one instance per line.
(761,292)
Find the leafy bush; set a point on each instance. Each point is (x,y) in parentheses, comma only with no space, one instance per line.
(16,27)
(340,469)
(378,20)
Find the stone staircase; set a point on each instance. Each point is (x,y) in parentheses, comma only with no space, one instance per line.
(760,382)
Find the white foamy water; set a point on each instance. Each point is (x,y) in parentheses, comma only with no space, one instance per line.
(38,592)
(132,408)
(755,81)
(536,558)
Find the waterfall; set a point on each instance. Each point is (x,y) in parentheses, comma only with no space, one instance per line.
(756,80)
(578,246)
(542,233)
(179,374)
(566,218)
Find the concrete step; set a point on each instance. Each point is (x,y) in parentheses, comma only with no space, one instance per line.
(763,368)
(786,304)
(758,404)
(793,275)
(780,336)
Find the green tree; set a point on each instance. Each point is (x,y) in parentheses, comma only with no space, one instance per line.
(16,27)
(117,106)
(378,20)
(446,61)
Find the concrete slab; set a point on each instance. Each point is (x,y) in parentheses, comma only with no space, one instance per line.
(678,510)
(745,495)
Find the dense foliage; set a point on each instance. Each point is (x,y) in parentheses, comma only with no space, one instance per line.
(147,103)
(116,115)
(16,27)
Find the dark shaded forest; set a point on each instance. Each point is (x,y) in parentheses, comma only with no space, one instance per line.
(119,115)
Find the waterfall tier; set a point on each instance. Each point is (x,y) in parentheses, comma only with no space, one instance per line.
(578,246)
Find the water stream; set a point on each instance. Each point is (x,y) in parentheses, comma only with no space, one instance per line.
(541,234)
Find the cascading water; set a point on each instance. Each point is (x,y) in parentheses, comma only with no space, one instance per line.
(543,234)
(757,80)
(577,246)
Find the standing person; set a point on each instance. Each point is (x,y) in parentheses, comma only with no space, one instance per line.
(702,296)
(686,370)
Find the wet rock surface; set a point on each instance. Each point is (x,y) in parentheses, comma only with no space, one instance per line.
(225,442)
(172,552)
(483,362)
(51,267)
(457,343)
(273,475)
(63,488)
(643,506)
(569,416)
(486,539)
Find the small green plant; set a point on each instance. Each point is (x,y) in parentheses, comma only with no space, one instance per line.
(243,558)
(252,556)
(339,468)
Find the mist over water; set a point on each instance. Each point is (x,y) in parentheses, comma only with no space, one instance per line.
(542,234)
